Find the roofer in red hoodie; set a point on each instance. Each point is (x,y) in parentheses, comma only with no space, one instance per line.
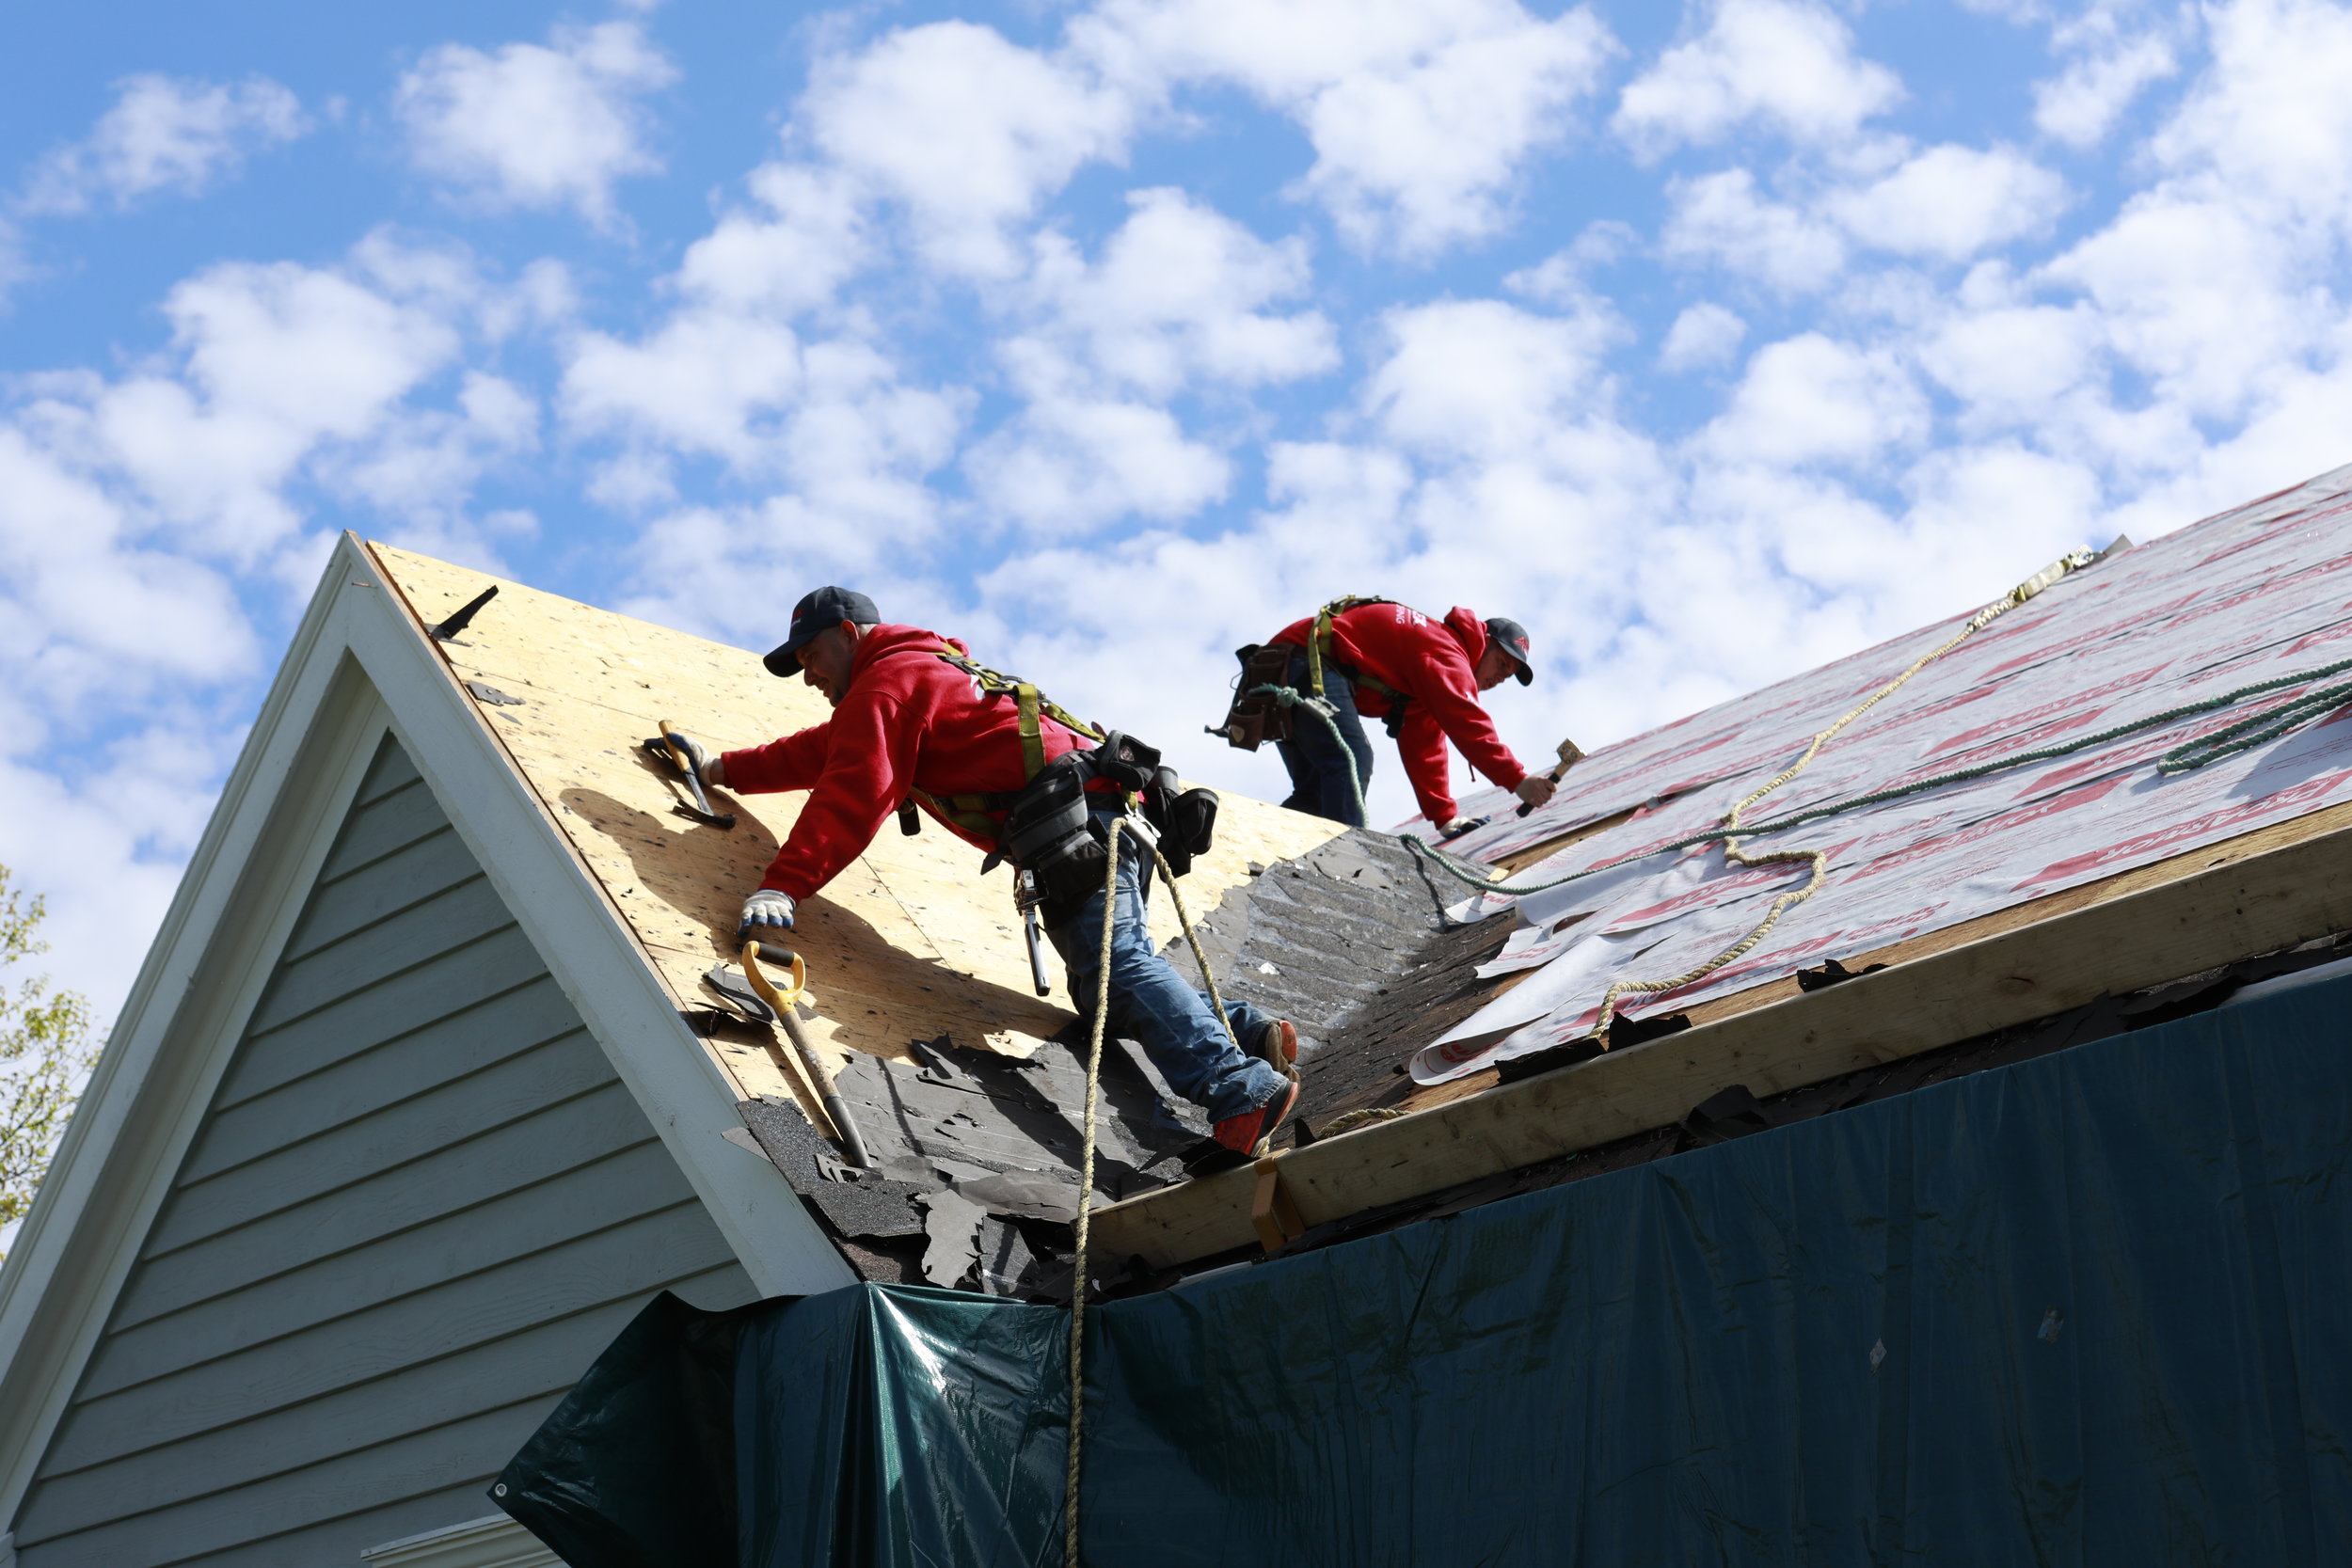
(1387,660)
(914,718)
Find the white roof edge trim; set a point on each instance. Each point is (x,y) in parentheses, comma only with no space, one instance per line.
(592,953)
(358,667)
(301,763)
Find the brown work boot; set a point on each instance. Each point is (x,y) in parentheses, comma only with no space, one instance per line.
(1245,1132)
(1277,1046)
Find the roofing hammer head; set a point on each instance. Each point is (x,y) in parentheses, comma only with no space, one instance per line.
(1570,754)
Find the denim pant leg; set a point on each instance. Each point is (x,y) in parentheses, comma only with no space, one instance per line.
(1319,767)
(1152,1005)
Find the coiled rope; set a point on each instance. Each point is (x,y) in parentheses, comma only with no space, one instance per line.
(1086,1152)
(1733,827)
(2202,752)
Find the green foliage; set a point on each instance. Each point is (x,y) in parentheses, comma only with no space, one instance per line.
(45,1055)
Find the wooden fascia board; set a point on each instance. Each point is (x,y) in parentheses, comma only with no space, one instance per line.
(2288,895)
(591,951)
(236,903)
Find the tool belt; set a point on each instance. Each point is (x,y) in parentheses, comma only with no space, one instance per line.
(1254,718)
(1051,830)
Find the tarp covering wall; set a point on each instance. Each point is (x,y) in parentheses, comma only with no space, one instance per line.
(2092,1309)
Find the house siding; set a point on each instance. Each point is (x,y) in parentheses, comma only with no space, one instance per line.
(420,1202)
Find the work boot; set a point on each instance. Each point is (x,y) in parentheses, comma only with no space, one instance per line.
(1277,1046)
(1245,1132)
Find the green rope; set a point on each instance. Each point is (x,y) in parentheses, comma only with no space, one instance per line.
(2187,758)
(1326,714)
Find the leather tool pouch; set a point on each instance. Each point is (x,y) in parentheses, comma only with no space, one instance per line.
(1049,831)
(1186,822)
(1250,721)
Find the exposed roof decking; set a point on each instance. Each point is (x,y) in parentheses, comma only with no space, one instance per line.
(908,944)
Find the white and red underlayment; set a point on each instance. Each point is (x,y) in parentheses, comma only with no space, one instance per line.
(2242,597)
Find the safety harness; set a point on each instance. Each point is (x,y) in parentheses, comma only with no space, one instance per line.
(1255,716)
(1320,646)
(975,813)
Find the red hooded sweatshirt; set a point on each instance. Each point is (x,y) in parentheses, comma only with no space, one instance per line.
(909,721)
(1434,664)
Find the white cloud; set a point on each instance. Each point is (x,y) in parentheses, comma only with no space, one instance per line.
(2013,364)
(1180,294)
(1071,462)
(1786,65)
(1479,377)
(1703,336)
(966,131)
(1720,218)
(805,237)
(1949,202)
(537,126)
(1811,398)
(164,134)
(2200,333)
(1422,113)
(1426,156)
(705,381)
(2082,104)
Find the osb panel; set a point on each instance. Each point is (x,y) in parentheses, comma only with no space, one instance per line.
(908,943)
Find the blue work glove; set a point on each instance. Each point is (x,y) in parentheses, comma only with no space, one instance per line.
(767,915)
(1461,825)
(697,757)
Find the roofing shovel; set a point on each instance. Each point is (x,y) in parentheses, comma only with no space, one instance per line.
(663,749)
(819,1076)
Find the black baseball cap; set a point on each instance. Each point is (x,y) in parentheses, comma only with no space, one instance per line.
(1511,638)
(816,613)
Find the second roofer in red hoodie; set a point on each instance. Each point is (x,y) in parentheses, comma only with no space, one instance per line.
(914,720)
(1385,661)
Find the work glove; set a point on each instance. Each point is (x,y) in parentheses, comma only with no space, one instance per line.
(698,758)
(767,915)
(1461,825)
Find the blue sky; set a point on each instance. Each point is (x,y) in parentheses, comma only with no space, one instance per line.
(1711,344)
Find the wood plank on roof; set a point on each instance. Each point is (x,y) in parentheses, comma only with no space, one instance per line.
(2278,835)
(2203,914)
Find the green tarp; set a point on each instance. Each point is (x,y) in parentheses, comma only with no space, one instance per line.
(2093,1309)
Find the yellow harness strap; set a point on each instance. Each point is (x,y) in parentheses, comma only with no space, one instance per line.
(1319,645)
(1027,699)
(972,813)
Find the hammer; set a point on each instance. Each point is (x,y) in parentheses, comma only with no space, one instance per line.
(1570,754)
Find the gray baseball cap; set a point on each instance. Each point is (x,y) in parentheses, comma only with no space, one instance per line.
(816,613)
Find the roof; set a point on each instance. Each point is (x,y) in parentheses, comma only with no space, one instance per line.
(2076,866)
(2244,598)
(967,1084)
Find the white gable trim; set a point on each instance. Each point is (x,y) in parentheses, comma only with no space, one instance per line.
(496,1542)
(589,948)
(358,667)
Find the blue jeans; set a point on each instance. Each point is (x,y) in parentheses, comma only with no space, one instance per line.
(1319,765)
(1151,1003)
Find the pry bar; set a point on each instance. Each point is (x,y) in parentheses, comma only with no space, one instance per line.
(664,750)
